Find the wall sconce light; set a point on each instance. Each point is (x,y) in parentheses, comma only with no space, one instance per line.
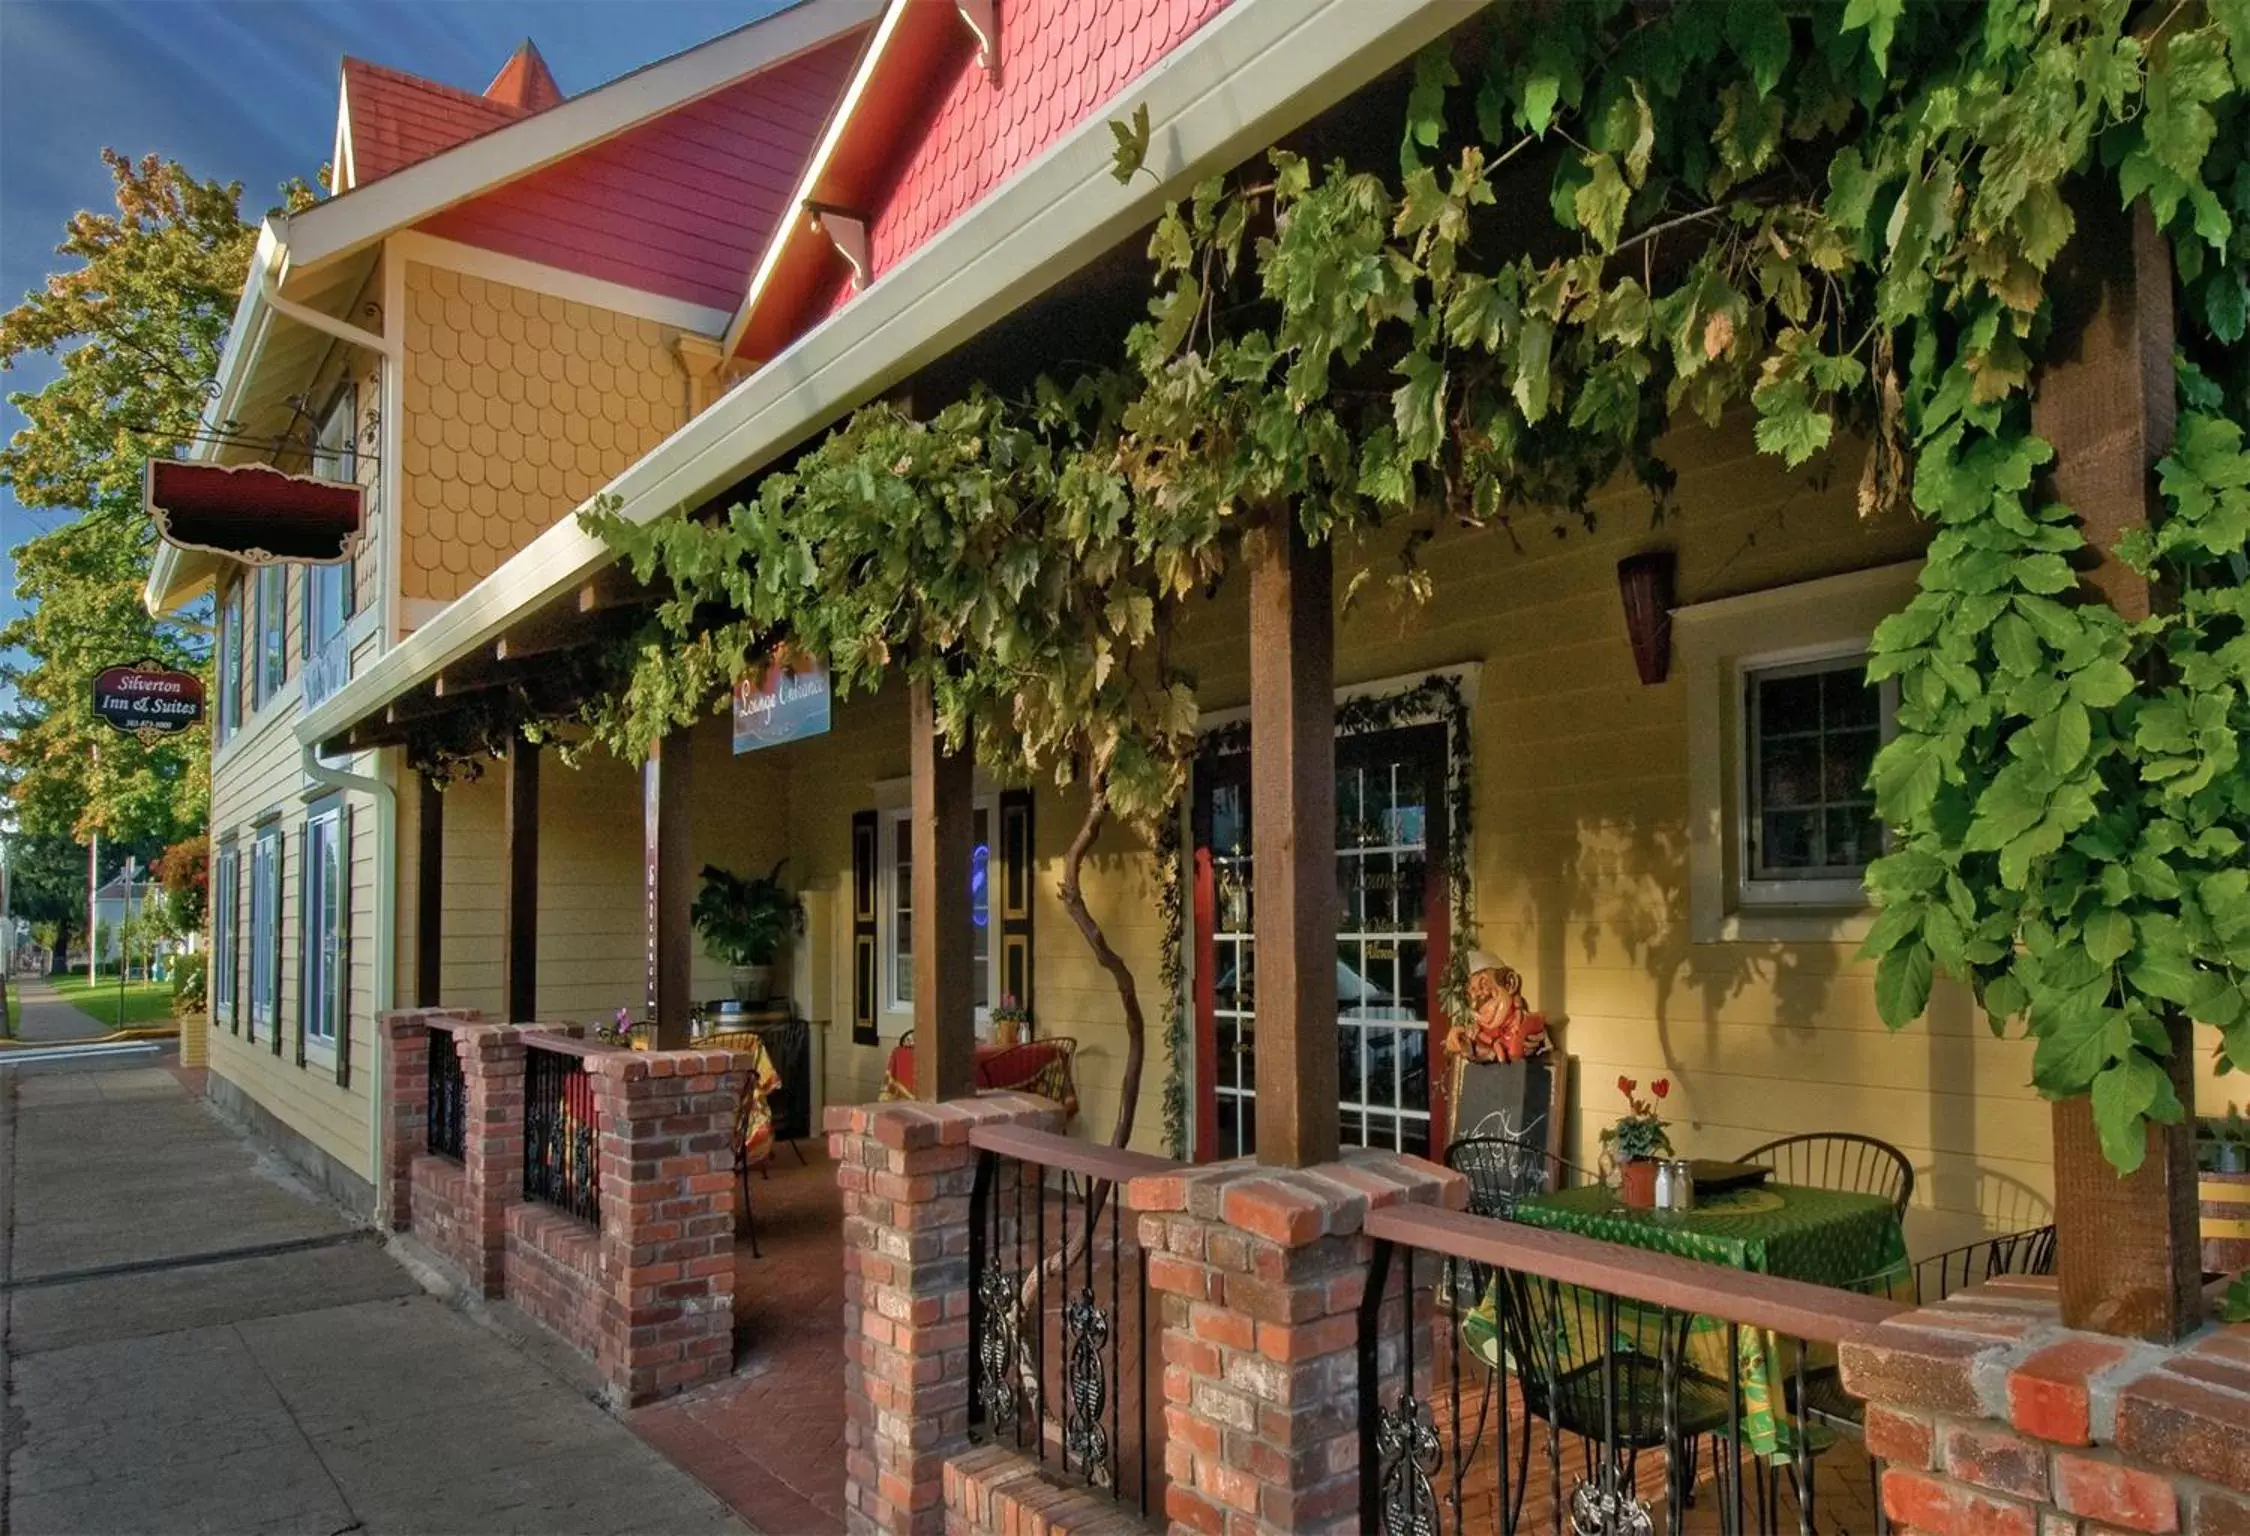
(1645,583)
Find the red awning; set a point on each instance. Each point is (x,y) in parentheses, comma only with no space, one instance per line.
(254,512)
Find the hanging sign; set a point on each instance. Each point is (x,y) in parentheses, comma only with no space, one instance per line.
(254,512)
(147,700)
(786,699)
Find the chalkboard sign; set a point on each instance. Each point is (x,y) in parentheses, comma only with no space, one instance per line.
(1522,1100)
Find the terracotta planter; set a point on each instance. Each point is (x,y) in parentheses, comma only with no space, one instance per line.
(2225,1202)
(1636,1184)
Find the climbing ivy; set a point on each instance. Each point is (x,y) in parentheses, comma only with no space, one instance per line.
(1604,220)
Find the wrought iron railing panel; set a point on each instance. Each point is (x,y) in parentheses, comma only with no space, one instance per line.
(1059,1325)
(448,1097)
(561,1141)
(1567,1398)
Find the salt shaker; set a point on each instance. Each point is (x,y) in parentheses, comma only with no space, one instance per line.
(1675,1179)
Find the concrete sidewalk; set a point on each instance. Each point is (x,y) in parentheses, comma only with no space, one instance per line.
(193,1341)
(42,1015)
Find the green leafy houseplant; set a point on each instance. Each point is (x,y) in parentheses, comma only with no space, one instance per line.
(2226,1142)
(743,920)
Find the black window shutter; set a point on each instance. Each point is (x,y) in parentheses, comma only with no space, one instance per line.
(1017,872)
(235,989)
(344,947)
(306,959)
(865,957)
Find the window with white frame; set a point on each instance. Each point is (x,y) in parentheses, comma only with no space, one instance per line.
(271,656)
(328,587)
(898,914)
(230,662)
(321,965)
(226,883)
(265,930)
(1810,727)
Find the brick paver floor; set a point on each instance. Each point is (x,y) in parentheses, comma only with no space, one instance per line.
(770,1439)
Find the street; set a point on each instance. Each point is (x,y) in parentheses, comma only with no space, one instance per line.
(193,1341)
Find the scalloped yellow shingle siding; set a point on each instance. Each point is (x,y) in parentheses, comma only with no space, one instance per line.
(519,406)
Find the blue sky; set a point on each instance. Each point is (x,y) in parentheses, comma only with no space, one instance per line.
(246,90)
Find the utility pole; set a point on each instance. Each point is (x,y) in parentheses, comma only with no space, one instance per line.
(93,910)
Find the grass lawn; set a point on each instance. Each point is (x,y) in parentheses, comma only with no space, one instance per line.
(146,1002)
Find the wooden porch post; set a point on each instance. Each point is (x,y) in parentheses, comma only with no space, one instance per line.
(1293,808)
(519,925)
(2127,1249)
(666,896)
(429,894)
(945,1024)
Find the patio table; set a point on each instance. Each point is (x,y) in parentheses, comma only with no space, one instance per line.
(1823,1236)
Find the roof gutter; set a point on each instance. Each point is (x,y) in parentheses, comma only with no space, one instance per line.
(1258,70)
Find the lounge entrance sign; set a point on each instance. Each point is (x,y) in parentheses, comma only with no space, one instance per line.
(147,700)
(786,699)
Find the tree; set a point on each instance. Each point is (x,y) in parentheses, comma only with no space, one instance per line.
(48,886)
(184,870)
(137,324)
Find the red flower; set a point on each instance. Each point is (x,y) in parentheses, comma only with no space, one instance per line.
(1626,1085)
(1661,1087)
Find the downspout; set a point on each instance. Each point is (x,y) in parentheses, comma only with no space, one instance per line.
(385,795)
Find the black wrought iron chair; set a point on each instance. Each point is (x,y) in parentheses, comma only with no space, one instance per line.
(1839,1160)
(1614,1373)
(1502,1170)
(2029,1252)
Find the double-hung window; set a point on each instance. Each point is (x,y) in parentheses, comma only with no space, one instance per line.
(328,592)
(1811,726)
(271,658)
(898,878)
(226,885)
(321,966)
(230,662)
(265,930)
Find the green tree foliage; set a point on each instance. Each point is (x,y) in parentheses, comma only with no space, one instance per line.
(47,884)
(1605,220)
(136,321)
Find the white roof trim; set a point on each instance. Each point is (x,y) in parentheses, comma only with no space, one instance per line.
(815,168)
(476,261)
(345,224)
(1258,70)
(174,570)
(342,174)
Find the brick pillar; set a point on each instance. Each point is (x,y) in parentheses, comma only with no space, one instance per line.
(491,1143)
(405,1106)
(1991,1418)
(906,1170)
(1261,1272)
(667,1217)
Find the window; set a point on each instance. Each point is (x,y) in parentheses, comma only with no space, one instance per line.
(321,966)
(1781,731)
(1810,732)
(226,882)
(328,594)
(272,656)
(265,930)
(230,663)
(898,873)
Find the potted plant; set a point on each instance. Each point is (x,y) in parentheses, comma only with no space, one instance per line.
(2223,1190)
(1636,1141)
(743,920)
(1011,1022)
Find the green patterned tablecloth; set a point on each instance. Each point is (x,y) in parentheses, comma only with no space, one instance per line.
(1824,1236)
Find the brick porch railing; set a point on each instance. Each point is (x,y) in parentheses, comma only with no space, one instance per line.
(648,1292)
(1994,1419)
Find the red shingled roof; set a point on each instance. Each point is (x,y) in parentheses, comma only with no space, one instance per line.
(525,81)
(399,119)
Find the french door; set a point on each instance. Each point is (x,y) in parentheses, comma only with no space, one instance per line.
(1392,933)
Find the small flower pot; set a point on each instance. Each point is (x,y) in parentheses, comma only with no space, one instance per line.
(1636,1184)
(752,983)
